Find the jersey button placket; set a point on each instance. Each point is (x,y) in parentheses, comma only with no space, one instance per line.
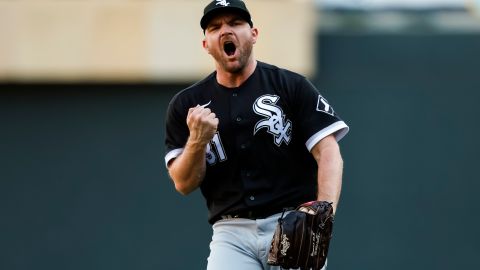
(238,119)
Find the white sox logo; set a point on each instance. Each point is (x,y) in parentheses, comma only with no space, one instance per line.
(223,3)
(275,123)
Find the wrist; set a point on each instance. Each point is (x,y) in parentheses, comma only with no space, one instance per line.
(196,145)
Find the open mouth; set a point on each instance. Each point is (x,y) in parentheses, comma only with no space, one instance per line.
(229,48)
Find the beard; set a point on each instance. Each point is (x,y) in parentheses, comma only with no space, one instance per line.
(237,66)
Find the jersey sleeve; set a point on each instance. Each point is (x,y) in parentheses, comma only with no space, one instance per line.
(176,130)
(316,117)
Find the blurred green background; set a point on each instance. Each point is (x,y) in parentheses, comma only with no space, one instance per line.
(83,183)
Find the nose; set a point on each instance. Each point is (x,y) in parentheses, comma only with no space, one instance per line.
(226,29)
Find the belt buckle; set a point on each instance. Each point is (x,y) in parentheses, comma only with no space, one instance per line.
(229,216)
(251,215)
(247,215)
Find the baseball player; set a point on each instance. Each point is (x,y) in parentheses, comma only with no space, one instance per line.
(257,139)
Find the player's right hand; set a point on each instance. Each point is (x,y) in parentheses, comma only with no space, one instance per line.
(202,123)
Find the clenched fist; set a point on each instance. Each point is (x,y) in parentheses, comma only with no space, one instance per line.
(202,123)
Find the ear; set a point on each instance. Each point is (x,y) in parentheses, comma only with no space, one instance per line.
(254,34)
(205,46)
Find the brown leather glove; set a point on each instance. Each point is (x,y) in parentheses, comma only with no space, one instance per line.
(302,237)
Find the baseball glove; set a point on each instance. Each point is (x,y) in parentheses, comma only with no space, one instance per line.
(302,237)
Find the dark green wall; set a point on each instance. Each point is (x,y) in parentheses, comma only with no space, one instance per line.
(410,197)
(83,183)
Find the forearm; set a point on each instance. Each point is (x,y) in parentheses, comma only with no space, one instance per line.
(330,170)
(188,170)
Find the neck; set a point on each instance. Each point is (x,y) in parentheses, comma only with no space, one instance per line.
(236,79)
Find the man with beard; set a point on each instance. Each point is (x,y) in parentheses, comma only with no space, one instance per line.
(257,139)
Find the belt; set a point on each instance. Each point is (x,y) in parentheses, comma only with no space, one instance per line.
(255,214)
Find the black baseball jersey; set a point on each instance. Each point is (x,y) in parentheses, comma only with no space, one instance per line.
(260,155)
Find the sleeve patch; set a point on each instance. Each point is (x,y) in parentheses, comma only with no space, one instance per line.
(323,106)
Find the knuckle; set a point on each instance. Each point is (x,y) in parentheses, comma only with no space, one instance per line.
(196,117)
